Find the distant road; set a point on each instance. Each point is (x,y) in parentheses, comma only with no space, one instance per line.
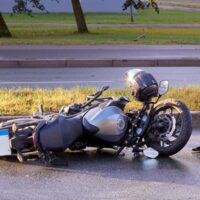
(92,77)
(112,25)
(98,51)
(184,8)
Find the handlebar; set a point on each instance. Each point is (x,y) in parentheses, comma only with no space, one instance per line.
(95,96)
(102,98)
(104,88)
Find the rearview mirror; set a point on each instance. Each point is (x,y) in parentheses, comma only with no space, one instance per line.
(163,87)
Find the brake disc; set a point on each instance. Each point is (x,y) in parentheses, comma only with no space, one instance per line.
(165,125)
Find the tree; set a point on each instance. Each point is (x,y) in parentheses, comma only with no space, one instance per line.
(79,16)
(21,6)
(4,32)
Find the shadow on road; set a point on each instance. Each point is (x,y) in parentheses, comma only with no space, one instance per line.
(104,164)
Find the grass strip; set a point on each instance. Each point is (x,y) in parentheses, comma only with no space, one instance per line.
(26,100)
(101,35)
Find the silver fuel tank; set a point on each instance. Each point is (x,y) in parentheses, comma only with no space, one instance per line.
(110,123)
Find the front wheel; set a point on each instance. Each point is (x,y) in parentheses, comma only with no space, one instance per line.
(170,127)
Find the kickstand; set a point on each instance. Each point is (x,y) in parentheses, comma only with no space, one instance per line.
(118,153)
(136,152)
(52,160)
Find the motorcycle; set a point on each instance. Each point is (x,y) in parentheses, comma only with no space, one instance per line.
(159,128)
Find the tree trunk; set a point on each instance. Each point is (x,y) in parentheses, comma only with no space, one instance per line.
(80,18)
(4,32)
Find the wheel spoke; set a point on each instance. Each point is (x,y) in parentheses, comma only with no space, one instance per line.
(176,131)
(162,143)
(175,136)
(168,142)
(178,119)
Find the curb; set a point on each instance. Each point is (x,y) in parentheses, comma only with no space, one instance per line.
(62,63)
(195,118)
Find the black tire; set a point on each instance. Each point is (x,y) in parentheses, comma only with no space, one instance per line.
(182,126)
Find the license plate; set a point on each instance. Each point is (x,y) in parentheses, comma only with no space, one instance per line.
(4,143)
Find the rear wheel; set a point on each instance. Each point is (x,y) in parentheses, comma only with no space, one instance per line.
(170,127)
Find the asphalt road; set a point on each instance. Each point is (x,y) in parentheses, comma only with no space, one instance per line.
(99,52)
(168,7)
(92,77)
(101,176)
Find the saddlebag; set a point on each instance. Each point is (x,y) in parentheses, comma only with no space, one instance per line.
(58,133)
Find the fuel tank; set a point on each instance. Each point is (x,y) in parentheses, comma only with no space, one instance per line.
(107,123)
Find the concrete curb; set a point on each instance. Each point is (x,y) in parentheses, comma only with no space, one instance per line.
(52,63)
(195,118)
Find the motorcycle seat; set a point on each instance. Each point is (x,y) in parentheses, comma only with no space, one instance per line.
(58,133)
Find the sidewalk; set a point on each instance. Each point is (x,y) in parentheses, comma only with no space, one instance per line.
(99,55)
(111,25)
(184,8)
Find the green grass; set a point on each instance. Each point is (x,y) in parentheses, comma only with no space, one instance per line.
(142,17)
(100,35)
(104,35)
(25,101)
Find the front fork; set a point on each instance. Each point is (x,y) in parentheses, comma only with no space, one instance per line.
(133,139)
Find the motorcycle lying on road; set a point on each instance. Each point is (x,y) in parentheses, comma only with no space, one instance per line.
(159,127)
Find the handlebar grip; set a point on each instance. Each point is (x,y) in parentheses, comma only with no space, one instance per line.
(104,88)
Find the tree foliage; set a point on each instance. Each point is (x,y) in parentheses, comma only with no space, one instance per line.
(138,4)
(22,6)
